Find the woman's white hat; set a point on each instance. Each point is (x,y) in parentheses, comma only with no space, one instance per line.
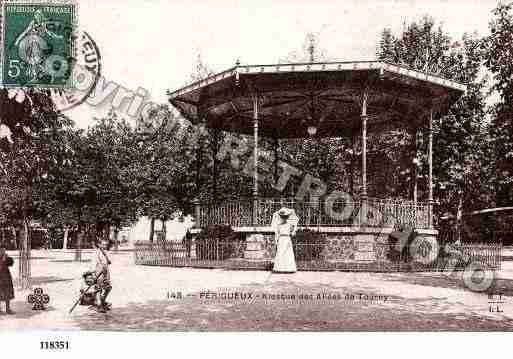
(285,212)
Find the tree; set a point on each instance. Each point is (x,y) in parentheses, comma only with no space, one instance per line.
(461,159)
(311,50)
(161,178)
(31,131)
(104,191)
(52,210)
(498,62)
(92,192)
(203,176)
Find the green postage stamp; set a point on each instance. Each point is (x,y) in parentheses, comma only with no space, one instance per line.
(37,43)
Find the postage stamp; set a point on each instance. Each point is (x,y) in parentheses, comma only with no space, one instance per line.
(37,43)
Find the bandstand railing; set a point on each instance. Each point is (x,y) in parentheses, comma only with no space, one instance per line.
(371,212)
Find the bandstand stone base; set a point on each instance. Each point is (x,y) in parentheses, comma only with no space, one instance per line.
(363,245)
(343,244)
(255,247)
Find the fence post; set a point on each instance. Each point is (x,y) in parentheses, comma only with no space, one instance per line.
(363,210)
(197,212)
(430,175)
(319,215)
(254,220)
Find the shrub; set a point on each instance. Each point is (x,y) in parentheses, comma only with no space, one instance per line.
(396,252)
(308,245)
(216,242)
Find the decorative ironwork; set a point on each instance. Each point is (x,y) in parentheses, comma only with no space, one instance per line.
(380,212)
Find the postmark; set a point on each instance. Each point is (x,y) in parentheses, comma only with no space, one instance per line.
(86,70)
(38,43)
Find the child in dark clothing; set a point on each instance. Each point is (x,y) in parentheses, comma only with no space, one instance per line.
(88,290)
(6,287)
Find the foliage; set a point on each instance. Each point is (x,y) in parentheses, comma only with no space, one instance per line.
(30,133)
(30,147)
(422,46)
(159,170)
(308,245)
(216,242)
(203,176)
(498,62)
(90,191)
(97,186)
(311,51)
(461,137)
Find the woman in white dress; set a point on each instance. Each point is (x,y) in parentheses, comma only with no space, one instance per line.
(284,262)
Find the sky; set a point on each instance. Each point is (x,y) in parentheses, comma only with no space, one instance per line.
(154,44)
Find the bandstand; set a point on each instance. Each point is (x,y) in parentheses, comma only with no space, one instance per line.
(335,99)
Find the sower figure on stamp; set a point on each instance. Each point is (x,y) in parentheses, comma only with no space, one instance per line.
(32,44)
(101,269)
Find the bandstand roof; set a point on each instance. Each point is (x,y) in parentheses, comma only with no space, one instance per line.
(326,95)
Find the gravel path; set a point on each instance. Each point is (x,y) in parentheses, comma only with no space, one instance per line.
(148,298)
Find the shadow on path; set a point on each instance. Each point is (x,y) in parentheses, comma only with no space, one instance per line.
(23,310)
(439,280)
(35,281)
(196,314)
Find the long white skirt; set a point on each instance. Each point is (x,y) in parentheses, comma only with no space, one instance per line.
(284,262)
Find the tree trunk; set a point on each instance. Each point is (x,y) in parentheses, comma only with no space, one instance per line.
(101,232)
(199,159)
(24,262)
(116,241)
(15,237)
(78,249)
(152,229)
(459,213)
(215,148)
(65,239)
(48,240)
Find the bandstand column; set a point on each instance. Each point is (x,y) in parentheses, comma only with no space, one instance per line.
(415,167)
(255,159)
(364,159)
(276,144)
(430,160)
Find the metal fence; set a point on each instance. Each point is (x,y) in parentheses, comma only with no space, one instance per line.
(378,212)
(207,254)
(312,257)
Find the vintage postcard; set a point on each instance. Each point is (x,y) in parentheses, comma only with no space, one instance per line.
(273,166)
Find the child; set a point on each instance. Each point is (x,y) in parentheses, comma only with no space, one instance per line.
(101,269)
(89,290)
(6,287)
